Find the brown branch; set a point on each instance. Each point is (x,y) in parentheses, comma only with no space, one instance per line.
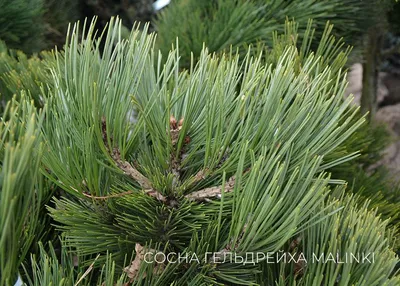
(175,127)
(132,271)
(211,192)
(201,175)
(129,170)
(125,166)
(295,243)
(155,194)
(174,131)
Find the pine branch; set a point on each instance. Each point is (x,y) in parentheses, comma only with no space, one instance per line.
(133,269)
(129,170)
(207,193)
(155,194)
(125,166)
(175,128)
(283,121)
(200,175)
(210,192)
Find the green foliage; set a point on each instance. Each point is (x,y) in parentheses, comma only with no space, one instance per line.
(377,186)
(232,155)
(354,233)
(20,73)
(330,51)
(20,24)
(49,269)
(240,23)
(34,25)
(22,190)
(229,156)
(367,141)
(350,235)
(366,180)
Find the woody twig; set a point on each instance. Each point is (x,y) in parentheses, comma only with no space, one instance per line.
(128,169)
(207,193)
(212,192)
(174,131)
(132,271)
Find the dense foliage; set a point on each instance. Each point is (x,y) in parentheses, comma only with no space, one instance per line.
(112,150)
(18,24)
(225,23)
(224,158)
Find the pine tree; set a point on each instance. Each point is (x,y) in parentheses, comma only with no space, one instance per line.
(222,163)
